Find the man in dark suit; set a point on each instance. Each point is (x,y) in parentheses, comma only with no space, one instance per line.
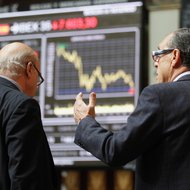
(25,159)
(157,133)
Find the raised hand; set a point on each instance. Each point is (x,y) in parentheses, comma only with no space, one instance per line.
(81,110)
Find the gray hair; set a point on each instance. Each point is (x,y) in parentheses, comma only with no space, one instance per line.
(14,57)
(181,40)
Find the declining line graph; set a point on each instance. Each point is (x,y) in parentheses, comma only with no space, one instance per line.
(106,66)
(87,80)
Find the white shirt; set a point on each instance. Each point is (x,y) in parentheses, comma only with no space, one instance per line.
(181,75)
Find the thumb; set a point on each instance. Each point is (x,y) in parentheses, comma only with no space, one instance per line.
(92,99)
(79,96)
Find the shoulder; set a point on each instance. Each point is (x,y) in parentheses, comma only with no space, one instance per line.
(12,100)
(162,92)
(24,103)
(18,98)
(160,87)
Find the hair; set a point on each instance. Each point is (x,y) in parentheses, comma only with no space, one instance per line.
(181,40)
(14,57)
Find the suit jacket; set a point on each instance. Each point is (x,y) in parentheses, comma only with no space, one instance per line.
(157,135)
(25,159)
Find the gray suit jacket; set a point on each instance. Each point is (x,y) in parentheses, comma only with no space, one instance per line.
(25,159)
(157,134)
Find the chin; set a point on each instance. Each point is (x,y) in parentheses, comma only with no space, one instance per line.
(157,80)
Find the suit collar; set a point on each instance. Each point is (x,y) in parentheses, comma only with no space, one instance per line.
(6,82)
(182,75)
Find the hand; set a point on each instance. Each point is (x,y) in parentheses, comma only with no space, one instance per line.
(81,110)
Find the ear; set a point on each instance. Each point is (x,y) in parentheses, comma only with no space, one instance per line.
(176,59)
(29,69)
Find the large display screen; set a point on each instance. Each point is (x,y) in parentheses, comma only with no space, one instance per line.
(82,49)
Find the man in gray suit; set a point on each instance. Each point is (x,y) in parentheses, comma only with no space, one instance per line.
(157,133)
(25,159)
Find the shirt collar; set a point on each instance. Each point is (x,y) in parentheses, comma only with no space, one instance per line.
(181,75)
(12,81)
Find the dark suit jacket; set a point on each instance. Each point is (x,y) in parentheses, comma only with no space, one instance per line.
(157,134)
(25,159)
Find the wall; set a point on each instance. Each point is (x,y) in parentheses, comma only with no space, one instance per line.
(162,20)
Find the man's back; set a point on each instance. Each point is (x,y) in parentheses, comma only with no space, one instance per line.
(25,159)
(165,164)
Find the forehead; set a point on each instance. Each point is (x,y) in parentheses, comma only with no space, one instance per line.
(164,43)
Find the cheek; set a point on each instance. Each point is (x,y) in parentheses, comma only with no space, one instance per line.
(163,72)
(36,79)
(33,87)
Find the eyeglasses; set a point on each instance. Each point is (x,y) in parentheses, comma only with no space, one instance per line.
(41,79)
(156,54)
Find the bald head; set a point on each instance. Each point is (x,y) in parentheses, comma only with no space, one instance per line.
(13,58)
